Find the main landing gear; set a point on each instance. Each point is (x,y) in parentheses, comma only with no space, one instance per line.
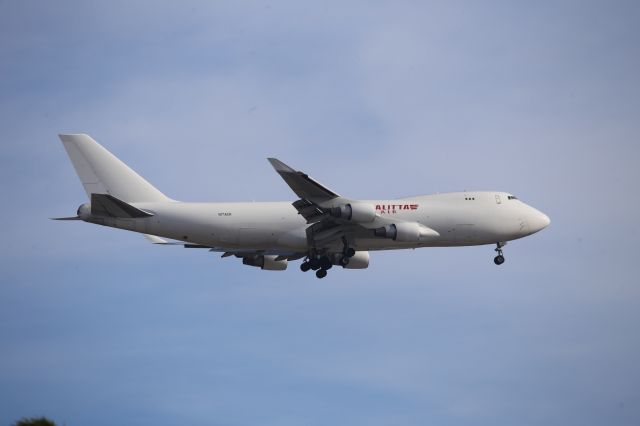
(499,259)
(347,252)
(321,264)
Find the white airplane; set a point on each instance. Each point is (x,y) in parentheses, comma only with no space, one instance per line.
(321,227)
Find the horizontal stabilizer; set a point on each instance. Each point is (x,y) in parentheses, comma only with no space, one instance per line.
(66,218)
(109,206)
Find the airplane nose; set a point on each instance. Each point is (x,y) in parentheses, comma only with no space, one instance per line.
(545,220)
(539,221)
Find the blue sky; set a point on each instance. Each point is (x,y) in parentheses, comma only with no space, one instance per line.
(374,99)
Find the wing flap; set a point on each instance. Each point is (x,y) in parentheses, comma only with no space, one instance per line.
(310,211)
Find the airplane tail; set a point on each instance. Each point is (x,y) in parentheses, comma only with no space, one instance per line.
(102,173)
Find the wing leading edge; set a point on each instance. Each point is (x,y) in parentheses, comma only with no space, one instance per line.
(304,186)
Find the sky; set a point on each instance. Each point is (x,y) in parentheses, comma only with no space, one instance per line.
(375,100)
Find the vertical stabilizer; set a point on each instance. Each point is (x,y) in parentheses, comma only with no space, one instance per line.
(103,173)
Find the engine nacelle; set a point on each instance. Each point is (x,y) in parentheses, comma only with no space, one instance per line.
(267,262)
(84,211)
(407,232)
(358,261)
(361,213)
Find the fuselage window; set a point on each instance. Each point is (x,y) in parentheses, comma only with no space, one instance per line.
(512,197)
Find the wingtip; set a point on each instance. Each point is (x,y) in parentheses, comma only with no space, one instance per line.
(279,165)
(154,239)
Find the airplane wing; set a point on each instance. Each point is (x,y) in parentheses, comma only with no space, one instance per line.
(305,187)
(154,239)
(226,252)
(240,253)
(312,194)
(316,205)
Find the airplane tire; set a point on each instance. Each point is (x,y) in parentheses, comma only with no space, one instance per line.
(325,262)
(344,261)
(498,260)
(350,252)
(304,266)
(314,264)
(321,273)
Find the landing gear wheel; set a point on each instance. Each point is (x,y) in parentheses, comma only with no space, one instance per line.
(347,251)
(314,263)
(321,273)
(499,259)
(304,266)
(325,262)
(344,261)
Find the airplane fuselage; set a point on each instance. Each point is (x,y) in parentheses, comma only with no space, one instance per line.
(460,219)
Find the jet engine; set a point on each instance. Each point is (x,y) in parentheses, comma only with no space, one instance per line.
(267,262)
(84,211)
(358,261)
(361,213)
(407,232)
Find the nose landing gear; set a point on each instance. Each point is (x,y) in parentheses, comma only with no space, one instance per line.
(499,259)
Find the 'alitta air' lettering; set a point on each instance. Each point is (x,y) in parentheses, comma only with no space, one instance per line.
(393,208)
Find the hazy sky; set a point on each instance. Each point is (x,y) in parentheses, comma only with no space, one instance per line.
(373,99)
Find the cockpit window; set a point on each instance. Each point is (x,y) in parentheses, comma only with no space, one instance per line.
(512,197)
